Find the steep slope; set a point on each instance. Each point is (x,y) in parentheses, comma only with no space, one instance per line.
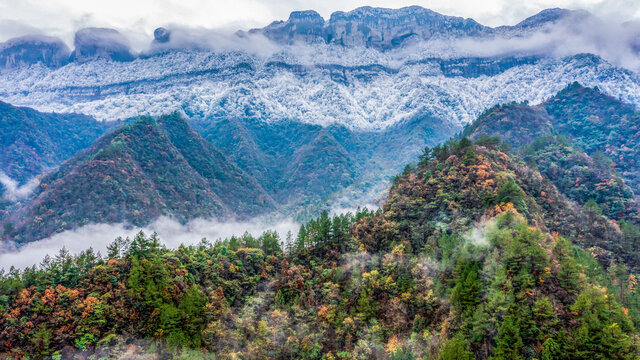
(583,178)
(32,142)
(33,49)
(136,174)
(239,191)
(573,139)
(303,167)
(516,124)
(466,193)
(320,167)
(307,168)
(458,184)
(462,262)
(100,43)
(600,123)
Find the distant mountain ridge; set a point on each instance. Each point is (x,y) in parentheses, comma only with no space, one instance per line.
(33,49)
(134,175)
(32,142)
(365,69)
(380,28)
(371,27)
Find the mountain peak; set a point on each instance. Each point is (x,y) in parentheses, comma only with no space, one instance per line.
(161,35)
(32,49)
(143,170)
(306,15)
(386,13)
(101,43)
(368,26)
(550,16)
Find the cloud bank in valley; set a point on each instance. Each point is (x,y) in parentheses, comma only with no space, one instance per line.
(13,191)
(171,233)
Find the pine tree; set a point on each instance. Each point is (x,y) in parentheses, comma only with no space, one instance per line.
(509,342)
(456,348)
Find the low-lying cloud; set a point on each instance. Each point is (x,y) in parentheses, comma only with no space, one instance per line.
(602,34)
(171,233)
(13,191)
(200,38)
(614,42)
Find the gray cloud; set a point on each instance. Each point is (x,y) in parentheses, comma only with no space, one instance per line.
(182,37)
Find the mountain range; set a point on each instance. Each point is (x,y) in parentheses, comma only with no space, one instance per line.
(479,251)
(307,69)
(234,169)
(581,139)
(305,114)
(135,174)
(500,165)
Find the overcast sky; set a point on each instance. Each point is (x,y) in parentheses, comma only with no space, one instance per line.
(138,18)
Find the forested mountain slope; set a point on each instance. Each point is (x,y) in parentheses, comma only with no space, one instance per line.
(473,255)
(584,141)
(31,142)
(308,168)
(135,174)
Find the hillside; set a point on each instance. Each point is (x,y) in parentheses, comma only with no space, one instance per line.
(584,141)
(473,255)
(32,142)
(600,123)
(308,168)
(135,174)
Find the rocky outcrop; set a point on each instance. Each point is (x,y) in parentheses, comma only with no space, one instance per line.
(101,43)
(368,26)
(302,26)
(33,49)
(385,28)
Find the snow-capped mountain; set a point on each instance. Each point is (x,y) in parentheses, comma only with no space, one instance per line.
(365,69)
(372,27)
(100,43)
(323,112)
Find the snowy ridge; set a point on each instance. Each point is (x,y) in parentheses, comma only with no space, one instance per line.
(357,87)
(367,69)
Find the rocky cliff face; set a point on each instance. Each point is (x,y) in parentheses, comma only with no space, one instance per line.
(302,26)
(385,29)
(371,27)
(100,43)
(33,49)
(367,68)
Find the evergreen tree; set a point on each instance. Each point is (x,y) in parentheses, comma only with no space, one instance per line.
(509,343)
(456,348)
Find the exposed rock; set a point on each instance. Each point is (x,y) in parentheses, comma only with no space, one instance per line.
(33,49)
(302,26)
(101,43)
(161,35)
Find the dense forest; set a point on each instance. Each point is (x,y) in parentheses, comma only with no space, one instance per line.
(474,254)
(142,170)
